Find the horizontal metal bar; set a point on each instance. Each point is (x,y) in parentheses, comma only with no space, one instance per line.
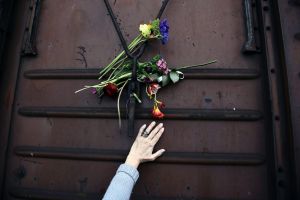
(189,73)
(182,114)
(42,194)
(120,155)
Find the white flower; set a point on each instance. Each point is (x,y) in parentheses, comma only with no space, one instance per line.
(145,30)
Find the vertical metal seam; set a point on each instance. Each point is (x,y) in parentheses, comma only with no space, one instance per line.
(11,120)
(283,182)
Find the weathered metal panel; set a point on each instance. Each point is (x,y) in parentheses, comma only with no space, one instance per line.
(9,74)
(220,122)
(288,19)
(6,7)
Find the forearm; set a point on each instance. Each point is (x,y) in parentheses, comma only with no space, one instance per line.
(121,186)
(141,151)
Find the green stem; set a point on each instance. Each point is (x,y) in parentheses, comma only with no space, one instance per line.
(199,65)
(136,97)
(121,82)
(131,46)
(120,62)
(132,49)
(106,69)
(117,67)
(118,73)
(117,62)
(118,104)
(104,83)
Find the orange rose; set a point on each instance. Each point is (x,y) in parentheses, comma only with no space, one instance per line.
(156,113)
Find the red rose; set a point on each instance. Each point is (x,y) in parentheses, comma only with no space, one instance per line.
(156,113)
(153,88)
(111,89)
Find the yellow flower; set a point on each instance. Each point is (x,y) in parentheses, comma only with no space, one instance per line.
(146,30)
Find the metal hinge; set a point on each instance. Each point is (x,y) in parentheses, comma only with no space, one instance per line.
(29,42)
(251,43)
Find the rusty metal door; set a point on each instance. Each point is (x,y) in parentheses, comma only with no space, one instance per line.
(224,123)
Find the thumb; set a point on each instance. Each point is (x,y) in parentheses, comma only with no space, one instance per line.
(157,154)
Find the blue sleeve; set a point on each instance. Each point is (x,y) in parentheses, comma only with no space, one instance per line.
(121,186)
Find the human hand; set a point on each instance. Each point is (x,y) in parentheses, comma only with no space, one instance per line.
(142,148)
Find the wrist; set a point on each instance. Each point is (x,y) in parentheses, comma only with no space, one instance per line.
(132,161)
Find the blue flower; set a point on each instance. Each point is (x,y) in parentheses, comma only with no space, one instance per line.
(164,31)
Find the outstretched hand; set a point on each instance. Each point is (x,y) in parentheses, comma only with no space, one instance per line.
(142,148)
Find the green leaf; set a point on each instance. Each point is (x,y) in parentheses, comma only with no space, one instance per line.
(174,76)
(155,59)
(155,26)
(165,80)
(153,77)
(141,77)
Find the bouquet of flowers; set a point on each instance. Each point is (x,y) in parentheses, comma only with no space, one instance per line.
(154,73)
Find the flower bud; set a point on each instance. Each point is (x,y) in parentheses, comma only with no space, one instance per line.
(162,66)
(111,89)
(153,88)
(94,91)
(156,113)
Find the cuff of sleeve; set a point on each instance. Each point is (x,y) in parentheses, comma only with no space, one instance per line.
(131,171)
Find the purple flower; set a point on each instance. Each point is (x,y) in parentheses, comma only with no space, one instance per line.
(162,66)
(93,91)
(148,69)
(164,31)
(147,80)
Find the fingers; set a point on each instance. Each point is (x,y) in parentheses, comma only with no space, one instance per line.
(157,154)
(150,127)
(157,136)
(141,130)
(155,131)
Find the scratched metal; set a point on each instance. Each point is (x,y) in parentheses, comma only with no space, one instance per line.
(205,159)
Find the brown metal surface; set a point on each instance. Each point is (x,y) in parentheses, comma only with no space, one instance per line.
(224,123)
(5,17)
(9,76)
(289,24)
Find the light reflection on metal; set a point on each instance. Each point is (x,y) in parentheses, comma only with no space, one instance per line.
(250,45)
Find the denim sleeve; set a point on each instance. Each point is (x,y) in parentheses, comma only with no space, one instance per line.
(121,186)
